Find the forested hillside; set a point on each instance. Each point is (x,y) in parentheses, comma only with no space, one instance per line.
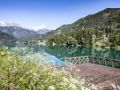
(102,28)
(6,39)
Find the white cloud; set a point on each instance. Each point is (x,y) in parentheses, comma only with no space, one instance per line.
(35,27)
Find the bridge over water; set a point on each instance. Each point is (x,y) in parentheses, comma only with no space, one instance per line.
(103,72)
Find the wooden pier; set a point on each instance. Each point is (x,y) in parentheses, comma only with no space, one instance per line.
(104,73)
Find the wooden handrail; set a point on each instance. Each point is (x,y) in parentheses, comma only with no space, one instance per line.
(92,59)
(105,58)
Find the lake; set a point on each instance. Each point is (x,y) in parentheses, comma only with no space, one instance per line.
(61,51)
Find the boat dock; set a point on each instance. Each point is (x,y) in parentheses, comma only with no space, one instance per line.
(104,73)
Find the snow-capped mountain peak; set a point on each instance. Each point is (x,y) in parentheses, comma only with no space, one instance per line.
(34,27)
(39,28)
(5,24)
(2,23)
(29,27)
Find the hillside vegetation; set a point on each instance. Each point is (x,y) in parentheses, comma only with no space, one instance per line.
(6,39)
(102,28)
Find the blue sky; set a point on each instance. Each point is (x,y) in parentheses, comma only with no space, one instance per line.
(51,13)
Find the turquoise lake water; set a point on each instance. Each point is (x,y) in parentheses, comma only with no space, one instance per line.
(56,54)
(61,52)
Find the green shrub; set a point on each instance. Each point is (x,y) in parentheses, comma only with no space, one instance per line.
(19,74)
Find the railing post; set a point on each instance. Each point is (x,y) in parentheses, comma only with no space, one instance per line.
(99,61)
(105,62)
(94,60)
(113,63)
(88,59)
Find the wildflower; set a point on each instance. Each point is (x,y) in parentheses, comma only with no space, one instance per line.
(94,87)
(21,79)
(118,87)
(14,71)
(35,74)
(78,70)
(114,86)
(53,74)
(51,88)
(75,81)
(72,87)
(11,86)
(27,72)
(82,88)
(65,79)
(82,81)
(46,81)
(2,53)
(87,89)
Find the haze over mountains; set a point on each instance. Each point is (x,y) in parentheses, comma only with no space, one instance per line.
(43,31)
(20,32)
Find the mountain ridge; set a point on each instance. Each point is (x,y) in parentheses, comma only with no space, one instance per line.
(17,31)
(96,20)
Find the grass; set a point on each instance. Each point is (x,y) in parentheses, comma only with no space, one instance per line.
(19,74)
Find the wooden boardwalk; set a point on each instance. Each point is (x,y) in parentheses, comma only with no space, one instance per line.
(104,77)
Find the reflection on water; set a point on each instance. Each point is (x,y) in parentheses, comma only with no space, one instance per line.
(61,52)
(55,55)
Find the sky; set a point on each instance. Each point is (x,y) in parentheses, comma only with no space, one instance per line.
(50,13)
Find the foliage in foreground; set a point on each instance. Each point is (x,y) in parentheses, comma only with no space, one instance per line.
(18,74)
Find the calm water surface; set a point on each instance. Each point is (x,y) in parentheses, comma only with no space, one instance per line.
(62,51)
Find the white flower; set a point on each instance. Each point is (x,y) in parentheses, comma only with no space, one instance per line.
(87,89)
(114,86)
(35,74)
(72,87)
(51,88)
(65,79)
(77,70)
(21,79)
(82,81)
(94,87)
(118,87)
(46,81)
(82,88)
(27,73)
(74,81)
(14,71)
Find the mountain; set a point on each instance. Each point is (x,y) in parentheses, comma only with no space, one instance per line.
(43,31)
(93,21)
(100,29)
(6,39)
(17,31)
(5,24)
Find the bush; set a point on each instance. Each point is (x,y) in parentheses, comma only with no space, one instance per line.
(19,74)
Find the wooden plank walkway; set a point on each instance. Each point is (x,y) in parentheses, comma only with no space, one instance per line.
(104,73)
(102,76)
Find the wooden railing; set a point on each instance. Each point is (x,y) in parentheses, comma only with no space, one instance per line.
(77,60)
(96,60)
